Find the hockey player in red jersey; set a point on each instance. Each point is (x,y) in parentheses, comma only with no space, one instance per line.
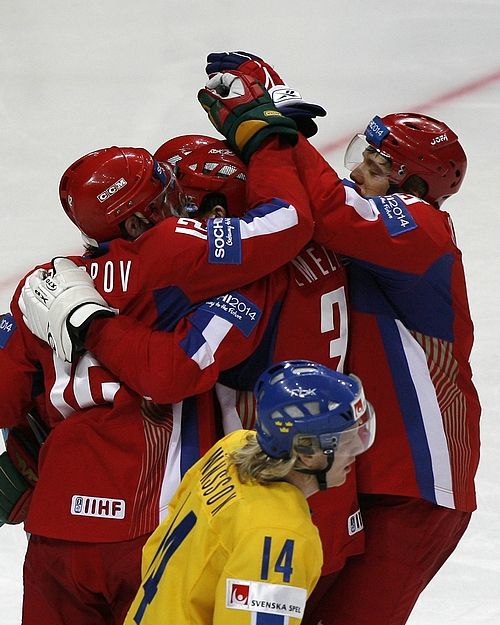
(311,288)
(411,337)
(102,466)
(409,303)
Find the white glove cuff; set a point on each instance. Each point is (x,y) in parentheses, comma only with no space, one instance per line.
(81,314)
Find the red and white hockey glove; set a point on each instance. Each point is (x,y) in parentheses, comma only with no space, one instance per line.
(242,110)
(287,100)
(59,305)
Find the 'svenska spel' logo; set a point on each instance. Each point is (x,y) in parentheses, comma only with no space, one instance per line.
(263,597)
(239,594)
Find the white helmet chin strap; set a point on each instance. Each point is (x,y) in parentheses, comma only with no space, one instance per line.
(88,241)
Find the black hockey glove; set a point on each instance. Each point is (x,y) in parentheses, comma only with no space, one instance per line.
(18,474)
(15,492)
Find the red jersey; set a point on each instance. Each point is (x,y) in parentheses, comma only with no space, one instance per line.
(103,464)
(312,324)
(411,336)
(216,335)
(304,315)
(300,311)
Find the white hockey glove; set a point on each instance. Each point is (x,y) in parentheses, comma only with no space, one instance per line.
(58,306)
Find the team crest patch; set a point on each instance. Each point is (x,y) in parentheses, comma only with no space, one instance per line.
(395,214)
(7,329)
(266,598)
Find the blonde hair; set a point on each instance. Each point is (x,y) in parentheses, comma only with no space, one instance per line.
(254,465)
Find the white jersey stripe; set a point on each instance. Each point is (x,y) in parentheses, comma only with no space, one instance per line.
(63,370)
(172,475)
(275,221)
(365,208)
(214,333)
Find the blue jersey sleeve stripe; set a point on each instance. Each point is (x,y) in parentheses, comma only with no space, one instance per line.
(409,405)
(261,618)
(190,443)
(420,411)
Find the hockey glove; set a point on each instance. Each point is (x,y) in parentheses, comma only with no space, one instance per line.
(23,447)
(18,474)
(59,305)
(286,99)
(15,492)
(242,110)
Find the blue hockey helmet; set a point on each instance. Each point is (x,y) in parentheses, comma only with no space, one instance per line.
(299,400)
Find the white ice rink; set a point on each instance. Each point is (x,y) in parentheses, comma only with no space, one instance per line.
(80,75)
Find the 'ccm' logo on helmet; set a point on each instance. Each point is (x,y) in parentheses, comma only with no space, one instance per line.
(114,188)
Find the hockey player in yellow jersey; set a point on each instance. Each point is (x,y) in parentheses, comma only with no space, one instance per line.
(238,546)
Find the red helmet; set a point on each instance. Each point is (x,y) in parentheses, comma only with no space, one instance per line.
(102,189)
(422,146)
(204,166)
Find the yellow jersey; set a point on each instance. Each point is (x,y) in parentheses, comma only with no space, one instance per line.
(229,553)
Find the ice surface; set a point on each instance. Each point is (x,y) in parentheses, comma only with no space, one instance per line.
(87,74)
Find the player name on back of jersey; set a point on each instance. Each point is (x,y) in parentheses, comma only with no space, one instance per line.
(313,263)
(217,486)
